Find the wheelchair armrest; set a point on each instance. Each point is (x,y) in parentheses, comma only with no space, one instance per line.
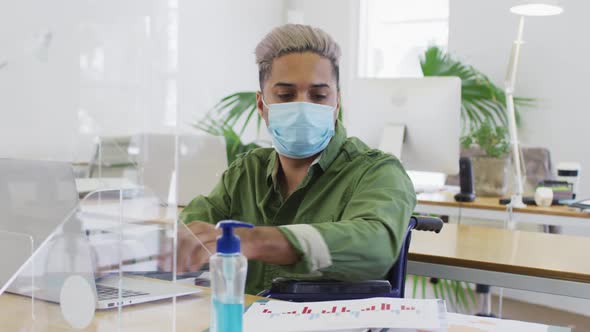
(296,286)
(425,223)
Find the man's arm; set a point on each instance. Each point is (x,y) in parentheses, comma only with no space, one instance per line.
(363,245)
(211,208)
(267,244)
(367,241)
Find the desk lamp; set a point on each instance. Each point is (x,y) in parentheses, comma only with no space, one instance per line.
(527,8)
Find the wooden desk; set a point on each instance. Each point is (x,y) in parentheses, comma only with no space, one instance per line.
(489,208)
(188,314)
(538,262)
(191,313)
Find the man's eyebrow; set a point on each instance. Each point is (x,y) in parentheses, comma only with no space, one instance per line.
(316,85)
(284,84)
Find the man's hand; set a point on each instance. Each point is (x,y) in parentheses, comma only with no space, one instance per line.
(196,242)
(265,244)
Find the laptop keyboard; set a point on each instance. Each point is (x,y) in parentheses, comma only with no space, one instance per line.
(110,293)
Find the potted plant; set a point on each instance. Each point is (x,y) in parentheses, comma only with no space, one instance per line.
(484,120)
(490,170)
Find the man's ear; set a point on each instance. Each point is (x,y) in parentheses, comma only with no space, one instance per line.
(338,114)
(259,103)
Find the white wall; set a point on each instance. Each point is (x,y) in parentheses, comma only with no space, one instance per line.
(553,68)
(336,17)
(217,41)
(104,72)
(116,68)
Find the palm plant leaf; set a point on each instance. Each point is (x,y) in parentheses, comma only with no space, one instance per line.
(481,99)
(234,145)
(235,110)
(435,289)
(460,296)
(449,293)
(415,286)
(471,294)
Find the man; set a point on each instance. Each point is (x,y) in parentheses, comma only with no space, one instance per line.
(324,204)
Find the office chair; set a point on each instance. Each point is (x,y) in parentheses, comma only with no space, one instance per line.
(329,290)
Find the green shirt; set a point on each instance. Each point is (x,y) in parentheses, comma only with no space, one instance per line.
(346,219)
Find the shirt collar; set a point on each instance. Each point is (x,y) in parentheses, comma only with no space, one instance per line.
(325,158)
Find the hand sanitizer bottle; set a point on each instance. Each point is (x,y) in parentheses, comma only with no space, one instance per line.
(228,268)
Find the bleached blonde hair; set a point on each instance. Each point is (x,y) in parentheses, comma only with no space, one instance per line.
(295,38)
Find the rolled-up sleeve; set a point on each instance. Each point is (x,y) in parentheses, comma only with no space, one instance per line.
(365,243)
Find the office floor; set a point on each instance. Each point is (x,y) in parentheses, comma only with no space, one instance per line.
(540,314)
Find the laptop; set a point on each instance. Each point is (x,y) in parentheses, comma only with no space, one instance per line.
(41,201)
(202,159)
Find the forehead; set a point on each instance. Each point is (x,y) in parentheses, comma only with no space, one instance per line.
(302,68)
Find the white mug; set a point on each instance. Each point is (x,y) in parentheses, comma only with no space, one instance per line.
(544,196)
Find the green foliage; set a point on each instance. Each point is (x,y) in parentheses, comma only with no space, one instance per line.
(234,145)
(481,100)
(233,111)
(458,294)
(493,140)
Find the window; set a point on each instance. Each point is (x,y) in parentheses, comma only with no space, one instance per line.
(393,34)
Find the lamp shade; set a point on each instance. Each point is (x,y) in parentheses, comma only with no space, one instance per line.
(537,8)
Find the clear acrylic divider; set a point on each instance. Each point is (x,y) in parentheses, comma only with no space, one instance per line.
(17,249)
(57,270)
(110,265)
(135,236)
(104,99)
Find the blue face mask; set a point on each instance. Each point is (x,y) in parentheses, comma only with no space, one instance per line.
(299,129)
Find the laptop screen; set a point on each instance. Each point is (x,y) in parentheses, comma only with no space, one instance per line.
(36,199)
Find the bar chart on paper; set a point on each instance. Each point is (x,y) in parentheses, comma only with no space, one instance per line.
(333,310)
(335,315)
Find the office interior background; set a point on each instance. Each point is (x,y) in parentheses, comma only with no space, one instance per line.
(71,71)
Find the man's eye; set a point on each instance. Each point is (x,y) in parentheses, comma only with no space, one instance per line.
(319,97)
(286,96)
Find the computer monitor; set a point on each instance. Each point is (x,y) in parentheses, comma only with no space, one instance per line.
(428,109)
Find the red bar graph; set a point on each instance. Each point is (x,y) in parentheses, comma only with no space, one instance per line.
(338,310)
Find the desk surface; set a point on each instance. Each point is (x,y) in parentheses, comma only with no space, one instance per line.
(492,203)
(192,314)
(519,252)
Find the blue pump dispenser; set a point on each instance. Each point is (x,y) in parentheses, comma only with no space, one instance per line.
(228,279)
